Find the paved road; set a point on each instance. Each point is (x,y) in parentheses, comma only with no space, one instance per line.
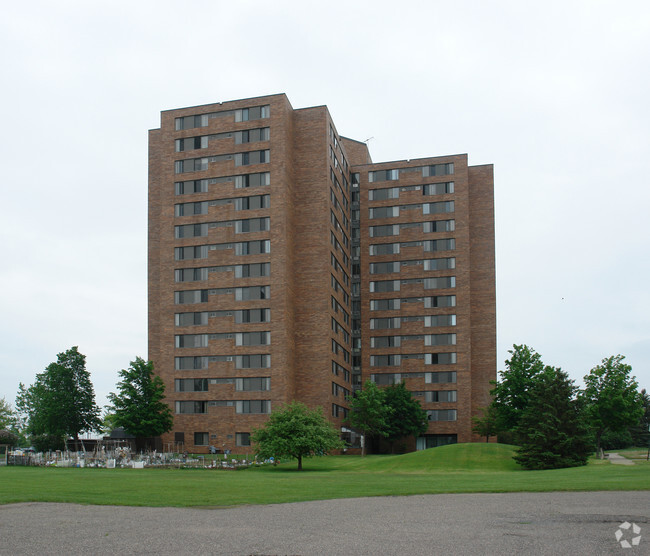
(546,523)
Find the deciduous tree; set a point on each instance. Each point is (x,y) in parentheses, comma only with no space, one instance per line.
(296,431)
(512,392)
(487,424)
(138,407)
(611,397)
(368,412)
(404,417)
(61,402)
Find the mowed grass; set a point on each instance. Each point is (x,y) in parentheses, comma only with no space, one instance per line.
(460,468)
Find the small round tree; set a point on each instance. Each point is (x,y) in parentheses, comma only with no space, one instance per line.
(295,431)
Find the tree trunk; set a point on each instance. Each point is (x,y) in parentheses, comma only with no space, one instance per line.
(487,438)
(299,463)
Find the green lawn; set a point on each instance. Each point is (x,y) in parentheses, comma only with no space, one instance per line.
(450,469)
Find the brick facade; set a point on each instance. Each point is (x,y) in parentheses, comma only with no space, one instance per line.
(261,159)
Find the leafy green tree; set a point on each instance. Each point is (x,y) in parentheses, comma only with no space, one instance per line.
(295,431)
(487,424)
(641,431)
(611,397)
(61,402)
(511,394)
(8,437)
(552,428)
(138,407)
(404,416)
(8,417)
(368,412)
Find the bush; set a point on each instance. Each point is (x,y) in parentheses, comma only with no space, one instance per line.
(48,442)
(8,437)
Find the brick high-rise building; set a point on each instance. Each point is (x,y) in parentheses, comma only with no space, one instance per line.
(284,264)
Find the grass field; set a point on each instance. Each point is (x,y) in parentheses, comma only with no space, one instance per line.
(460,468)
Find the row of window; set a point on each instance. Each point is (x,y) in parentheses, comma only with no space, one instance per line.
(252,202)
(194,252)
(396,303)
(203,438)
(425,227)
(391,267)
(426,171)
(442,282)
(338,328)
(337,287)
(337,390)
(427,189)
(241,316)
(431,245)
(252,270)
(395,360)
(247,384)
(338,349)
(248,225)
(427,208)
(428,320)
(240,159)
(242,181)
(241,115)
(334,221)
(241,294)
(338,267)
(340,370)
(241,406)
(443,377)
(338,308)
(241,339)
(251,361)
(241,137)
(337,245)
(428,339)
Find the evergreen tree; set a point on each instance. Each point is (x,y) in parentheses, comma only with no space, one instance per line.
(552,428)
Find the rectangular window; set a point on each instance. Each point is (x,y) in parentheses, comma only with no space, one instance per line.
(252,270)
(385,341)
(191,319)
(253,202)
(253,247)
(383,212)
(252,180)
(385,249)
(438,208)
(252,384)
(384,231)
(440,339)
(445,377)
(384,304)
(385,360)
(190,363)
(439,320)
(441,283)
(191,384)
(385,268)
(252,361)
(383,175)
(253,292)
(192,186)
(441,414)
(201,438)
(252,157)
(384,324)
(191,407)
(252,135)
(438,170)
(192,296)
(252,225)
(243,438)
(439,358)
(252,338)
(385,286)
(191,340)
(253,406)
(438,188)
(440,301)
(254,113)
(438,226)
(253,315)
(190,122)
(383,194)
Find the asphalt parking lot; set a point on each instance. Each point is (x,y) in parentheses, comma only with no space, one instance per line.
(521,523)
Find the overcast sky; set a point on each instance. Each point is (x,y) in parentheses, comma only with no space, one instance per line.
(554,94)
